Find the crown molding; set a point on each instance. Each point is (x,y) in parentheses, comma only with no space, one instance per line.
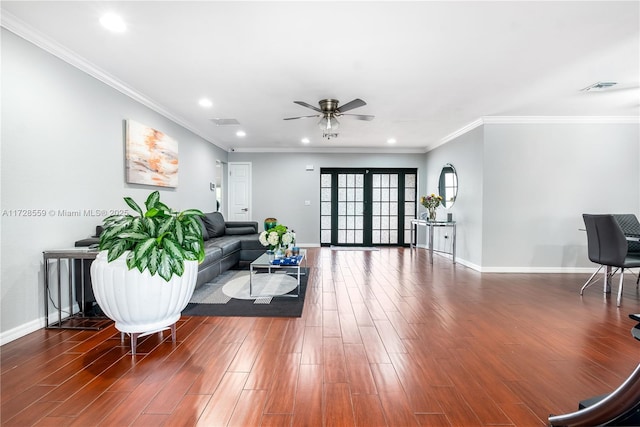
(493,120)
(560,119)
(19,28)
(329,150)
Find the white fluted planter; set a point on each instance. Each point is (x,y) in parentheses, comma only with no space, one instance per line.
(140,303)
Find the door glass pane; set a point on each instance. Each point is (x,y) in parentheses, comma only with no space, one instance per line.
(350,208)
(325,208)
(410,205)
(385,208)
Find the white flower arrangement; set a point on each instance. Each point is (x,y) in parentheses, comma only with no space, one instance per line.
(279,235)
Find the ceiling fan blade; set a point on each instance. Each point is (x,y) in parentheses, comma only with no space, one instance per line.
(360,116)
(304,104)
(301,117)
(351,105)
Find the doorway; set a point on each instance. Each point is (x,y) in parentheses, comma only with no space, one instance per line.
(239,191)
(366,207)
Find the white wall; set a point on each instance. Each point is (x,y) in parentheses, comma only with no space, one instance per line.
(538,181)
(465,153)
(281,184)
(524,188)
(63,149)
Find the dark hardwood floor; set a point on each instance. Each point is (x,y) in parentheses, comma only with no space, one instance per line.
(385,339)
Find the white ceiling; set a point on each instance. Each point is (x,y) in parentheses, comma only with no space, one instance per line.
(426,69)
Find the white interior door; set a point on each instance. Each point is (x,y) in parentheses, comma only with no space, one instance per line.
(239,191)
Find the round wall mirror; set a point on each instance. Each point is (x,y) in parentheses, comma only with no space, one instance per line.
(448,185)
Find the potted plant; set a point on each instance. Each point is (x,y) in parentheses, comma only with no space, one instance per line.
(146,270)
(431,202)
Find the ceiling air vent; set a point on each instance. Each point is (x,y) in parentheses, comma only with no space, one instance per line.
(598,87)
(225,122)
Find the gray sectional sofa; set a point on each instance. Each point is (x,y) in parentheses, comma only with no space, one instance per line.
(226,244)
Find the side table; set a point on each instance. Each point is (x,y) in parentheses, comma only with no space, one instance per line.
(430,225)
(74,320)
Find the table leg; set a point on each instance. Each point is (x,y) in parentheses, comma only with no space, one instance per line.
(46,291)
(431,242)
(250,280)
(454,244)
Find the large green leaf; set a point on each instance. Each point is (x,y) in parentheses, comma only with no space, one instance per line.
(133,235)
(142,263)
(143,248)
(153,260)
(179,233)
(150,225)
(109,233)
(191,212)
(152,200)
(152,212)
(173,248)
(131,260)
(136,224)
(166,226)
(117,249)
(164,266)
(190,255)
(177,267)
(133,205)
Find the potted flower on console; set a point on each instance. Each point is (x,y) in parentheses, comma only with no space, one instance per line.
(147,267)
(431,202)
(278,239)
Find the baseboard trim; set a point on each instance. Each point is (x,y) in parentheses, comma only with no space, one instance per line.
(21,331)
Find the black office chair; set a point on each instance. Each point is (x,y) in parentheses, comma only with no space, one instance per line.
(607,246)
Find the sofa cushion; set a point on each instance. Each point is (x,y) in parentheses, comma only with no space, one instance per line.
(227,244)
(212,254)
(214,223)
(205,234)
(250,242)
(235,231)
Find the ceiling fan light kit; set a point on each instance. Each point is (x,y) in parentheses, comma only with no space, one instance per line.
(329,112)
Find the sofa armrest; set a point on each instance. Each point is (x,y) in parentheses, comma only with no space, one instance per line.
(242,225)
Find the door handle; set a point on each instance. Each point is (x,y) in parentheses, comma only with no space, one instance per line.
(244,209)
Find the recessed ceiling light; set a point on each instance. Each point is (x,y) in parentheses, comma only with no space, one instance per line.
(305,140)
(241,133)
(391,141)
(206,103)
(113,22)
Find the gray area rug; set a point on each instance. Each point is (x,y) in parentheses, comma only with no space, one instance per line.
(235,284)
(215,298)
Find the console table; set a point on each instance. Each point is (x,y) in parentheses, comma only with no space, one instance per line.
(73,320)
(429,228)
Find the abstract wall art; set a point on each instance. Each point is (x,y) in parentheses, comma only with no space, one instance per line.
(151,156)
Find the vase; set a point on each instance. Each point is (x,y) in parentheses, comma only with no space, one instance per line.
(432,214)
(269,223)
(278,252)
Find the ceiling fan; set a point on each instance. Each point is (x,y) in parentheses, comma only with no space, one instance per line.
(329,112)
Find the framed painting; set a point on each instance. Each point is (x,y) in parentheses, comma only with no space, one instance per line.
(151,156)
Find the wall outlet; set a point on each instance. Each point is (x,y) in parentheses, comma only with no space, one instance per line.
(307,202)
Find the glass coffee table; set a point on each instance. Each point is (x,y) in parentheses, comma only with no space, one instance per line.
(263,262)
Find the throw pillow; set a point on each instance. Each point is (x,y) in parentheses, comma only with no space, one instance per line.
(214,223)
(205,234)
(239,230)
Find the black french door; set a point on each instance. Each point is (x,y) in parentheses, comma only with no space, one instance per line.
(367,207)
